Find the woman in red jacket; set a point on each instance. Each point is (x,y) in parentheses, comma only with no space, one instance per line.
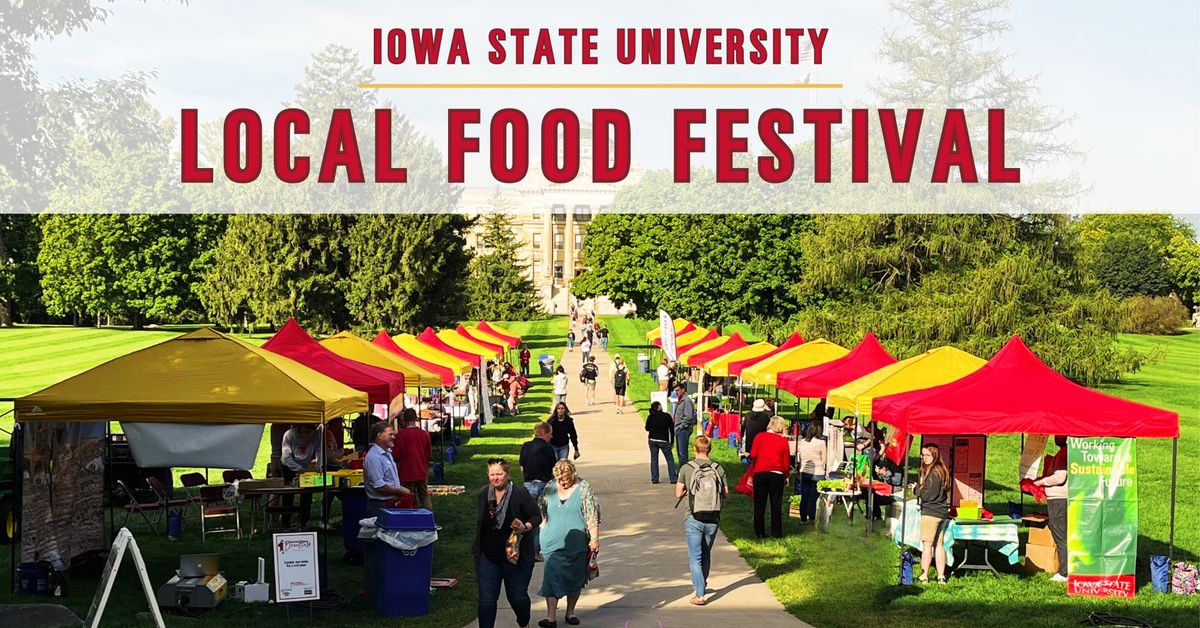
(772,463)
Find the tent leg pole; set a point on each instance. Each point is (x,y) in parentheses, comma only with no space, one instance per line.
(324,504)
(1174,462)
(112,520)
(904,498)
(870,527)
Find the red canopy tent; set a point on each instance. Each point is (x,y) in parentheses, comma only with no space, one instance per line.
(446,374)
(735,368)
(682,349)
(465,333)
(734,343)
(685,329)
(291,341)
(430,338)
(512,341)
(1016,393)
(817,381)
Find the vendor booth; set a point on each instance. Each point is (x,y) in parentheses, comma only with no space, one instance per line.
(512,339)
(819,351)
(737,365)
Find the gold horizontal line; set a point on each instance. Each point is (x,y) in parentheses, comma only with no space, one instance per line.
(600,85)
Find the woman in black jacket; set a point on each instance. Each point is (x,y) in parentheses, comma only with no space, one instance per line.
(562,432)
(505,507)
(661,431)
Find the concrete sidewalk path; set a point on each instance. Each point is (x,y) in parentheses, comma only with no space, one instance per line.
(644,579)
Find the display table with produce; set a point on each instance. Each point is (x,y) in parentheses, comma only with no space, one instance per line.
(998,533)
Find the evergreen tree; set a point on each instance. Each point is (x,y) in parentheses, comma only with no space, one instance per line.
(500,287)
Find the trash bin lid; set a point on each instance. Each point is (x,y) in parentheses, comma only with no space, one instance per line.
(405,519)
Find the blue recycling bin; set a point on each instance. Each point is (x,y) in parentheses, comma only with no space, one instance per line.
(354,509)
(398,580)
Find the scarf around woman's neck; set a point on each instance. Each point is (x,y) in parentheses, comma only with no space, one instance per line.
(502,506)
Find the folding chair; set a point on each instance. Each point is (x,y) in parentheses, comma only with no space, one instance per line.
(233,475)
(213,506)
(164,500)
(140,507)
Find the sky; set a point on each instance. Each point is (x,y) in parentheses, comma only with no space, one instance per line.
(1126,74)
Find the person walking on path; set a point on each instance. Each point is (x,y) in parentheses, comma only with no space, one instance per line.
(933,493)
(585,347)
(524,359)
(562,432)
(571,340)
(559,381)
(572,531)
(1056,503)
(660,429)
(588,375)
(684,421)
(412,451)
(703,482)
(618,373)
(537,465)
(812,470)
(505,509)
(603,333)
(771,463)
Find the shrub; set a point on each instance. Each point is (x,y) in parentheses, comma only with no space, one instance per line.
(1153,315)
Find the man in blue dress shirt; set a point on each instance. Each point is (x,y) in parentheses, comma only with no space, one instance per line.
(380,477)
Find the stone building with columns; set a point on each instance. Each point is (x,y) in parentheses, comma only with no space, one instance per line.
(551,220)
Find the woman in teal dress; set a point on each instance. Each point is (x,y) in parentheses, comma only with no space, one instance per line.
(571,530)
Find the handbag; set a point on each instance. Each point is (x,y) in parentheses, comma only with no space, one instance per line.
(593,566)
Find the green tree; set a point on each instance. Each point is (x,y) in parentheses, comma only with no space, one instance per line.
(716,269)
(1115,245)
(1130,266)
(1183,260)
(500,287)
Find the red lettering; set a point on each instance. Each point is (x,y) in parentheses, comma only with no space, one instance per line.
(190,170)
(997,172)
(900,152)
(385,172)
(341,149)
(771,123)
(685,144)
(954,149)
(604,120)
(822,121)
(554,119)
(287,122)
(234,123)
(859,172)
(458,143)
(728,144)
(504,119)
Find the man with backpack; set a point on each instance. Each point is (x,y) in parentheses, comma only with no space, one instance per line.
(588,375)
(703,482)
(618,373)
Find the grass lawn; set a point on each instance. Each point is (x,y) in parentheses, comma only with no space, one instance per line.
(843,577)
(33,357)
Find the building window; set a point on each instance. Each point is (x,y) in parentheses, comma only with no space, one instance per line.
(578,241)
(558,241)
(558,271)
(559,212)
(583,213)
(537,241)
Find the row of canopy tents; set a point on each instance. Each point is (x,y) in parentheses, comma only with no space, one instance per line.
(207,377)
(943,391)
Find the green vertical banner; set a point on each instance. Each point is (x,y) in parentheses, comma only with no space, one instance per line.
(1102,516)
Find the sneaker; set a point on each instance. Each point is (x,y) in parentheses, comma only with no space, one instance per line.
(1058,578)
(654,481)
(698,601)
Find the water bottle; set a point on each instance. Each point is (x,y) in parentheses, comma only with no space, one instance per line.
(439,473)
(450,452)
(174,525)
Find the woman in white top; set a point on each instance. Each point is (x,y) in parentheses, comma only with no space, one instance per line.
(812,469)
(560,385)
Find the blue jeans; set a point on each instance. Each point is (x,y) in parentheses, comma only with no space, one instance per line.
(563,452)
(700,537)
(682,442)
(665,448)
(585,355)
(604,343)
(808,496)
(535,491)
(489,576)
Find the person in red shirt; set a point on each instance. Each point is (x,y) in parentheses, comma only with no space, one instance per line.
(525,357)
(412,451)
(772,464)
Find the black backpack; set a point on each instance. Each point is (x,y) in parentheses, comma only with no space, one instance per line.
(619,377)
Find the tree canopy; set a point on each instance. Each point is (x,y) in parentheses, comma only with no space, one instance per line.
(500,287)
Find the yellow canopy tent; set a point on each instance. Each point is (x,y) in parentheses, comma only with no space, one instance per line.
(409,343)
(702,347)
(201,377)
(485,336)
(808,354)
(679,323)
(719,367)
(690,337)
(932,368)
(350,346)
(454,339)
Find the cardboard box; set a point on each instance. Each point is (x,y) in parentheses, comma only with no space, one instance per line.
(1040,536)
(1041,558)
